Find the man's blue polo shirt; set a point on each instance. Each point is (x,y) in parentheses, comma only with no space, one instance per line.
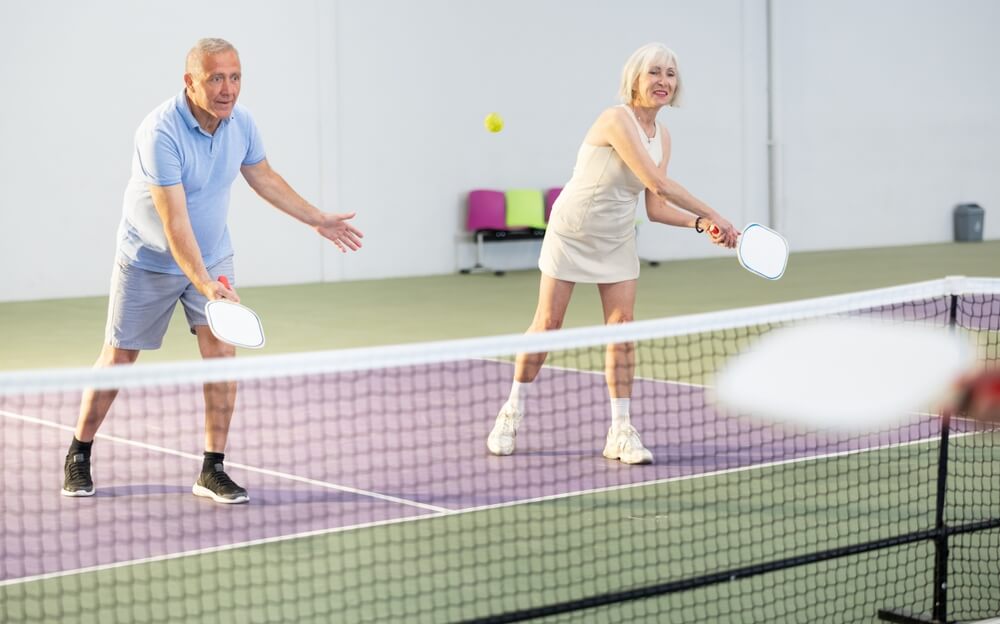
(171,148)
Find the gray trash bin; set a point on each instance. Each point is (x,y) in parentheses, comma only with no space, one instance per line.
(968,222)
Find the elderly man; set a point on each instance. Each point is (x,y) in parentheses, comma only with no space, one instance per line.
(173,244)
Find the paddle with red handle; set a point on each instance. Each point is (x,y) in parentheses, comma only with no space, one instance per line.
(234,323)
(760,250)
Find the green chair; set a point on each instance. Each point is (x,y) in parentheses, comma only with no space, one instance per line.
(525,209)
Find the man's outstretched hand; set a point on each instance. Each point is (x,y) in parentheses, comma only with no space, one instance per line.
(336,228)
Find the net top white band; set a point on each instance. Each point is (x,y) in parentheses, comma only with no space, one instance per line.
(367,358)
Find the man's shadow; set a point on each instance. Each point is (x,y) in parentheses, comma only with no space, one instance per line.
(141,489)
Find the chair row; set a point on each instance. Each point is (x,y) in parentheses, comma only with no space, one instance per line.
(498,216)
(512,210)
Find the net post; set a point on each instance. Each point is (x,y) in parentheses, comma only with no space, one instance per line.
(940,611)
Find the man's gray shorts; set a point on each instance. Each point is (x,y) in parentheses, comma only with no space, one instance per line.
(142,302)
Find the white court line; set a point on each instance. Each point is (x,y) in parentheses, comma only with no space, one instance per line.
(208,550)
(443,512)
(566,369)
(715,473)
(264,471)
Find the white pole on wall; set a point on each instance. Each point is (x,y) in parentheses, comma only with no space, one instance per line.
(331,266)
(775,213)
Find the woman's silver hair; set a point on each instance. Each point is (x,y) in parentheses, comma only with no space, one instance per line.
(641,60)
(203,48)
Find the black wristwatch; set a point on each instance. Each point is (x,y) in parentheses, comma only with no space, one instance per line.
(697,227)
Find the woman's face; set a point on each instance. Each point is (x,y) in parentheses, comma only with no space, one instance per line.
(656,86)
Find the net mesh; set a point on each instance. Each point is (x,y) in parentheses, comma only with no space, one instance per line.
(373,497)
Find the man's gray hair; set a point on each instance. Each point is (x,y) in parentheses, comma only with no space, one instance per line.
(206,47)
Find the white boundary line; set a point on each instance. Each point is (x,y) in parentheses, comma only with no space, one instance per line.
(264,471)
(566,369)
(211,549)
(551,497)
(714,473)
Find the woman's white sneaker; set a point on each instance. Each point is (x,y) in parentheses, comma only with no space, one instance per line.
(625,446)
(501,440)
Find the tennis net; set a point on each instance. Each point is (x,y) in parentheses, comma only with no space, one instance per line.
(374,498)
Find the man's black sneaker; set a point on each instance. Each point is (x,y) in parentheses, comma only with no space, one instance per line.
(77,481)
(217,485)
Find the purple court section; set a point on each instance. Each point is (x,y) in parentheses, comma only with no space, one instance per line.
(144,507)
(415,433)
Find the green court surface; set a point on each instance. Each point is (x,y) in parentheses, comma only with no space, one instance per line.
(67,333)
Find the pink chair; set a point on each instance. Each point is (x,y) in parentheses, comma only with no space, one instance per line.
(487,211)
(486,217)
(550,200)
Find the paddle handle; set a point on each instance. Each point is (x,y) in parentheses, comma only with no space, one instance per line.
(714,230)
(225,281)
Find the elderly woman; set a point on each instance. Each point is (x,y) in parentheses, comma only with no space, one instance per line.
(591,236)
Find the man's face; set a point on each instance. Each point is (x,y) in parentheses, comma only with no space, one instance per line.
(215,87)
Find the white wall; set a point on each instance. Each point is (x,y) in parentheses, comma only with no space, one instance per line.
(414,96)
(377,105)
(888,119)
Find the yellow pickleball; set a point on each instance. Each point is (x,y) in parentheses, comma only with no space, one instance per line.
(493,122)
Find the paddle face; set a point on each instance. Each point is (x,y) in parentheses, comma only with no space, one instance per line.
(852,375)
(763,251)
(235,324)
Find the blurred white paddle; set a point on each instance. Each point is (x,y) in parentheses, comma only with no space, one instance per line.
(844,374)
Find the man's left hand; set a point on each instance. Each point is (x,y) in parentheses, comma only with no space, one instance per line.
(336,228)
